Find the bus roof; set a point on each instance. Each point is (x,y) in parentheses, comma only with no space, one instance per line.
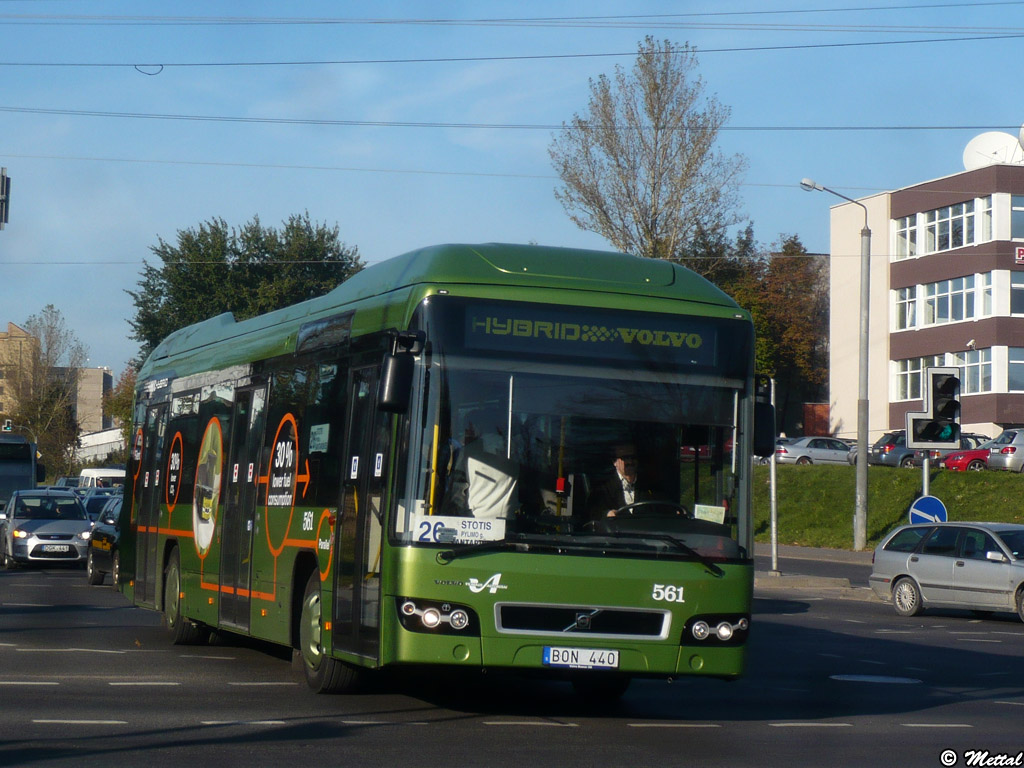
(489,264)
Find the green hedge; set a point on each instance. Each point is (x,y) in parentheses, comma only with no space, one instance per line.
(816,503)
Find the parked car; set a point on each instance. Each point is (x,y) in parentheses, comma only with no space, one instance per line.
(955,565)
(1007,451)
(44,527)
(968,441)
(103,556)
(973,460)
(812,450)
(891,450)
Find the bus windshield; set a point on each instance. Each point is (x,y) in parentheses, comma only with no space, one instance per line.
(540,455)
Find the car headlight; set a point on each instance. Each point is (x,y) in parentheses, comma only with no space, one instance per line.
(19,534)
(84,535)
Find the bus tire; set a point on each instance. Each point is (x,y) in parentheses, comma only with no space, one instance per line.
(323,673)
(183,631)
(92,574)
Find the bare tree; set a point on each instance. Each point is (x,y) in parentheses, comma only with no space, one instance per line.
(46,387)
(640,167)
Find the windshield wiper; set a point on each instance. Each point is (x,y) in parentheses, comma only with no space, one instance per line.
(677,543)
(446,556)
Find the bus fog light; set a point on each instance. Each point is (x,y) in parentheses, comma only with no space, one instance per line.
(459,619)
(408,608)
(701,630)
(724,631)
(431,618)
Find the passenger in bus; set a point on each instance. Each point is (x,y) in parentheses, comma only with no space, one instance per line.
(484,481)
(621,489)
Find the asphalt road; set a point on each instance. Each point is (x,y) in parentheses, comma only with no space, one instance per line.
(87,680)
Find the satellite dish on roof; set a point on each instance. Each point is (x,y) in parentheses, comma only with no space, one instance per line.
(993,148)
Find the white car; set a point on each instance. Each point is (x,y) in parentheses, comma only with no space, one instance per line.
(813,450)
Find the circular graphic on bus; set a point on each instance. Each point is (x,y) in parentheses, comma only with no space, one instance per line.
(281,481)
(206,498)
(174,472)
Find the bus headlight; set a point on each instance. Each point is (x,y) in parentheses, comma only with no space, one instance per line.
(719,629)
(437,617)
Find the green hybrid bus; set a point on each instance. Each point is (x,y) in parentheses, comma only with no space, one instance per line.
(413,470)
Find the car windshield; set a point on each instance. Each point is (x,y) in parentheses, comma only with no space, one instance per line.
(48,508)
(1014,541)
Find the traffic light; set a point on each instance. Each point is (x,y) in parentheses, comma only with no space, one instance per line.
(8,425)
(939,425)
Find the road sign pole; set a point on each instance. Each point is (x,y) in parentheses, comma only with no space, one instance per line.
(925,479)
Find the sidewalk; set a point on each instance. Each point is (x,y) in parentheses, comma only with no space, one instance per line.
(812,586)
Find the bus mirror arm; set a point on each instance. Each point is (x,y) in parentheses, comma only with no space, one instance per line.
(397,371)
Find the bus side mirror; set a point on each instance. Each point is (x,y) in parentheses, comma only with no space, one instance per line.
(397,370)
(764,429)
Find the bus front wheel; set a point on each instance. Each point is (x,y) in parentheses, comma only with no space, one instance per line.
(183,630)
(323,673)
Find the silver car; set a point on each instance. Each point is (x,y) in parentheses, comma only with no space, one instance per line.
(44,526)
(813,450)
(1007,451)
(979,566)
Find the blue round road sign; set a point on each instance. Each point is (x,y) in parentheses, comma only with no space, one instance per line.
(928,509)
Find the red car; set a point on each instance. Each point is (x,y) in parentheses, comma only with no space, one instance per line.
(975,459)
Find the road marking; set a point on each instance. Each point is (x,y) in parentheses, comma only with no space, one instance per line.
(256,685)
(673,725)
(875,679)
(1012,703)
(81,722)
(27,682)
(144,683)
(201,656)
(977,640)
(71,650)
(540,723)
(242,722)
(936,725)
(811,725)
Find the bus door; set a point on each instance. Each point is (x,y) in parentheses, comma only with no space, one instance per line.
(358,548)
(247,423)
(147,578)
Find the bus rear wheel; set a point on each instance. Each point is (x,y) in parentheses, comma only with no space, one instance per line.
(323,673)
(184,631)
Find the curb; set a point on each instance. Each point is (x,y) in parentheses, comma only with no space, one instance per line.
(812,586)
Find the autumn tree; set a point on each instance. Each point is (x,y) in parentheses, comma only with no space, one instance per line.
(119,401)
(786,291)
(640,167)
(45,387)
(214,269)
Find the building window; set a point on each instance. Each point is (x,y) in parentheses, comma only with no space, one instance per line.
(977,370)
(906,237)
(906,308)
(949,227)
(949,301)
(1017,217)
(1015,369)
(1017,293)
(985,219)
(908,375)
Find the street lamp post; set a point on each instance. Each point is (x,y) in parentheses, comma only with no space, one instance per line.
(860,515)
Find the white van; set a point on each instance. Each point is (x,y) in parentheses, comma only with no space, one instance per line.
(101,477)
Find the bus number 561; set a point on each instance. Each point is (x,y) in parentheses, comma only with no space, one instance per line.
(667,593)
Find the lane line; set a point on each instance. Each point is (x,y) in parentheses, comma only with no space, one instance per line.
(673,725)
(27,682)
(936,725)
(533,723)
(80,722)
(142,684)
(811,725)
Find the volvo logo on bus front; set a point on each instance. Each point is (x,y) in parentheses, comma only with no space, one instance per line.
(583,621)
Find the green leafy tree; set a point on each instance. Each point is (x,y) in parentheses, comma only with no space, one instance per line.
(640,167)
(118,404)
(249,271)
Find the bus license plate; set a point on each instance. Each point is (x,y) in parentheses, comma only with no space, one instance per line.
(56,548)
(580,658)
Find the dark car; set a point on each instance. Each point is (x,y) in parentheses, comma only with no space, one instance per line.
(891,450)
(103,556)
(951,565)
(95,499)
(968,442)
(45,527)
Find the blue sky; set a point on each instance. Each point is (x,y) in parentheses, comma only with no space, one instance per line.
(308,117)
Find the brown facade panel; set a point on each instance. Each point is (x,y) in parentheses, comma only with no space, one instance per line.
(949,264)
(953,337)
(957,189)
